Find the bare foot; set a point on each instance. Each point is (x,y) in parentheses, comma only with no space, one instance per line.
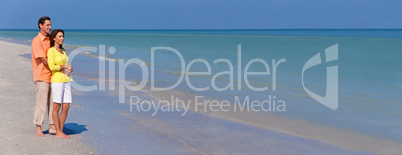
(52,132)
(52,129)
(39,134)
(62,136)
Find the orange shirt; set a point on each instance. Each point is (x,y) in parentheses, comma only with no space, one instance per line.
(40,45)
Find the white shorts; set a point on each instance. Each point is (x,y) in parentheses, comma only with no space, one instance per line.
(61,92)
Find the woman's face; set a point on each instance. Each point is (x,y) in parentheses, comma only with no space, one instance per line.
(59,38)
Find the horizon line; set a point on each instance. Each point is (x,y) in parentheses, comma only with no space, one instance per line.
(224,29)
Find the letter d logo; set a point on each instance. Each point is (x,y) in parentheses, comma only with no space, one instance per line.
(331,96)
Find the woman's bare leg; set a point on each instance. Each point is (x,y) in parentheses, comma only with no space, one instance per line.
(63,115)
(59,132)
(55,115)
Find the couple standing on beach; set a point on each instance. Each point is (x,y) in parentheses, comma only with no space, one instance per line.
(51,74)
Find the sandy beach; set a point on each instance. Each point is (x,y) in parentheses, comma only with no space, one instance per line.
(17,102)
(98,124)
(134,133)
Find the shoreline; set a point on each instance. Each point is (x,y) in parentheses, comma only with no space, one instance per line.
(196,133)
(296,127)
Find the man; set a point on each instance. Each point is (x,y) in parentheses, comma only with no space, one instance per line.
(42,76)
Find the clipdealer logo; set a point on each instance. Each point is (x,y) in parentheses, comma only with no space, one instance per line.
(330,99)
(331,95)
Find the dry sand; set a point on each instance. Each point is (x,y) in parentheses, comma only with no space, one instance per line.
(17,101)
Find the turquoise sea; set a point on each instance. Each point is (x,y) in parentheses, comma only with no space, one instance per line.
(369,73)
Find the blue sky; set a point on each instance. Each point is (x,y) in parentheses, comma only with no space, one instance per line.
(203,14)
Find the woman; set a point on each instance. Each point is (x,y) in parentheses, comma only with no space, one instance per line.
(60,83)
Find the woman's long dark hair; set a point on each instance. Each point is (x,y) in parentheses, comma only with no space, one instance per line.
(53,35)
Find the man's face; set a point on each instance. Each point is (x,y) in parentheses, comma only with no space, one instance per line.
(46,27)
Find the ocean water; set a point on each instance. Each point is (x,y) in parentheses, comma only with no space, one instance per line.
(369,70)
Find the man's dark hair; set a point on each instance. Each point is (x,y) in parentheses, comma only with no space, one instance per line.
(42,20)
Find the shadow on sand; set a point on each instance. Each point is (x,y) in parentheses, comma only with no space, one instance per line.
(71,129)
